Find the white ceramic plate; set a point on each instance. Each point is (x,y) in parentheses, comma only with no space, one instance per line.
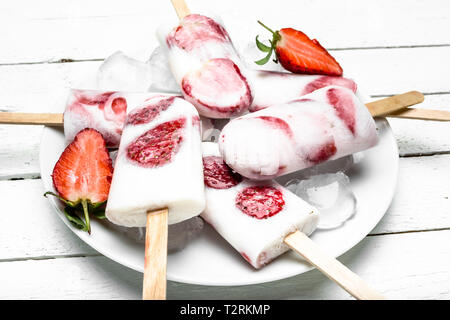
(209,260)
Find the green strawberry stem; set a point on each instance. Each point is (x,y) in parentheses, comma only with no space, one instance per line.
(86,215)
(266,27)
(273,44)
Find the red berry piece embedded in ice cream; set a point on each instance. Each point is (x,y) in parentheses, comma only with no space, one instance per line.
(93,99)
(149,112)
(194,30)
(116,111)
(343,103)
(277,123)
(326,81)
(119,106)
(325,152)
(218,89)
(157,146)
(218,175)
(260,202)
(83,173)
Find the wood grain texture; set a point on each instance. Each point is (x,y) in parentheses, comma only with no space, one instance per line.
(87,30)
(155,265)
(399,102)
(48,119)
(390,263)
(44,87)
(421,114)
(180,8)
(331,267)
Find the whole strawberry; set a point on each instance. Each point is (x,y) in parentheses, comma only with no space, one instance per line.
(298,53)
(82,177)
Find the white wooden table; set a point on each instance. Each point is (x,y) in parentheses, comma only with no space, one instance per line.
(388,46)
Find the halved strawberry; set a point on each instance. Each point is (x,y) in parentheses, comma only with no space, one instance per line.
(82,177)
(298,53)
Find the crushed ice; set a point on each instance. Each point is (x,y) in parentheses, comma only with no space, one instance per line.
(330,193)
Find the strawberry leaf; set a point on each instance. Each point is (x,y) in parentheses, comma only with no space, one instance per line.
(73,218)
(69,203)
(265,59)
(99,214)
(261,46)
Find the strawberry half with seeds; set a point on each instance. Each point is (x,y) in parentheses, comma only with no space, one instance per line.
(298,53)
(82,177)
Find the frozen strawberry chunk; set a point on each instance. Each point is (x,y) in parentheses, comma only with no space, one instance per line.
(156,147)
(324,153)
(326,81)
(277,123)
(342,101)
(218,175)
(218,89)
(260,202)
(194,31)
(149,112)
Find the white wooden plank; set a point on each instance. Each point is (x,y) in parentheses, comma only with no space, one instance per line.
(401,266)
(391,71)
(421,202)
(42,87)
(423,137)
(31,227)
(19,151)
(51,30)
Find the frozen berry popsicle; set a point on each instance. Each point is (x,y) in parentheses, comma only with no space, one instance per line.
(103,111)
(206,67)
(158,164)
(327,124)
(272,88)
(253,216)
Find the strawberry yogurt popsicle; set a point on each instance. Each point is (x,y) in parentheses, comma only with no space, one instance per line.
(253,216)
(106,111)
(159,164)
(273,88)
(100,110)
(324,125)
(206,66)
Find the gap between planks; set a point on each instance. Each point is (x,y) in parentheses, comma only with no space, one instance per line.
(70,60)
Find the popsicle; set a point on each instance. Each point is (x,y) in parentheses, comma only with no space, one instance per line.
(206,66)
(273,88)
(158,164)
(262,220)
(327,124)
(103,111)
(158,178)
(236,206)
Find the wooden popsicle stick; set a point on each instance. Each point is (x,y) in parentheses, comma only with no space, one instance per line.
(331,267)
(154,283)
(48,119)
(395,103)
(181,8)
(422,114)
(395,107)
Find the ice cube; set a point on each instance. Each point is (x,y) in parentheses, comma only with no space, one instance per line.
(331,194)
(120,72)
(341,164)
(180,234)
(163,79)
